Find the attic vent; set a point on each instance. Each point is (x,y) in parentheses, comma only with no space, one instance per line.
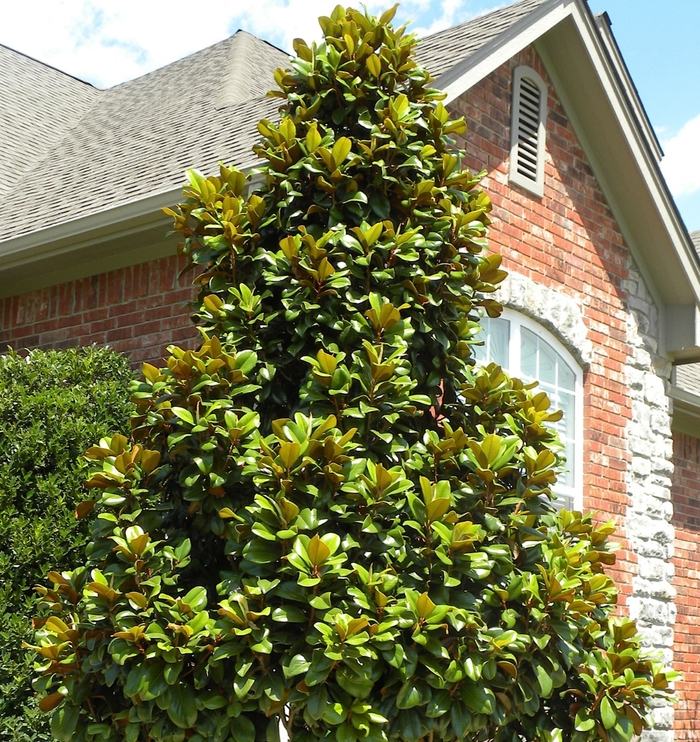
(528,130)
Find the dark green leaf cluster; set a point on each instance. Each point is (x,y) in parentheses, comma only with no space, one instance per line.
(326,516)
(52,405)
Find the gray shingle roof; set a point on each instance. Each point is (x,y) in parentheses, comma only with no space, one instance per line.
(137,138)
(442,50)
(83,150)
(695,237)
(38,106)
(688,376)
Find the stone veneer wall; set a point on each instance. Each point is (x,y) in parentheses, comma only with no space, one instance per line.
(138,310)
(648,518)
(572,270)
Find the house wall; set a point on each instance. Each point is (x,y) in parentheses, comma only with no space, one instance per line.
(138,310)
(573,272)
(570,270)
(686,560)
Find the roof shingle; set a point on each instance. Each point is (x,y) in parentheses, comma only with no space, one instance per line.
(38,106)
(91,149)
(138,138)
(445,49)
(688,376)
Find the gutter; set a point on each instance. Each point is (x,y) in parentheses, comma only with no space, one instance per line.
(686,411)
(90,229)
(85,231)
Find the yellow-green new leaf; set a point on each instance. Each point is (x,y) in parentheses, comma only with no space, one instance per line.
(317,551)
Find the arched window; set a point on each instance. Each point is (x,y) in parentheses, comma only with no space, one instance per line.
(526,350)
(528,130)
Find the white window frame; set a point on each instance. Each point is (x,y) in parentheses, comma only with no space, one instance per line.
(517,322)
(534,185)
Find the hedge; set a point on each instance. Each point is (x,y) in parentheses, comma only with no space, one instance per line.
(53,404)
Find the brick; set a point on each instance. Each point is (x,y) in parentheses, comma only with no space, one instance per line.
(567,241)
(686,519)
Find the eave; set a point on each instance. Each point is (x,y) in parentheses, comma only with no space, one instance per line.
(127,234)
(686,411)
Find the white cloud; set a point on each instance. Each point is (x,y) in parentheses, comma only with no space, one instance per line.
(108,41)
(452,12)
(280,22)
(681,163)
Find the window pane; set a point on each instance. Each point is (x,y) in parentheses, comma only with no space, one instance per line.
(539,360)
(499,336)
(567,402)
(496,334)
(567,377)
(528,354)
(563,502)
(548,361)
(481,352)
(566,428)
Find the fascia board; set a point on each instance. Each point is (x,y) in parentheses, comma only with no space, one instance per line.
(530,30)
(686,411)
(644,158)
(603,25)
(82,232)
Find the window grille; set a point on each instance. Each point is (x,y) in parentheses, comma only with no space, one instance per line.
(525,349)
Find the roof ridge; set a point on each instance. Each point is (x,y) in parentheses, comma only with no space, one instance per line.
(242,67)
(228,40)
(49,66)
(236,85)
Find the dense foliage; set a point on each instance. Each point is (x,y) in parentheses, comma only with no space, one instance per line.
(326,516)
(52,405)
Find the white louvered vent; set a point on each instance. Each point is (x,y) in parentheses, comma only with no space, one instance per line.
(528,130)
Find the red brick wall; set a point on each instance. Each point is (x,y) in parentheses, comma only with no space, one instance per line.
(567,240)
(685,495)
(138,310)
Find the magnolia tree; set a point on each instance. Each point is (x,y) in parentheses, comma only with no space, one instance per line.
(326,517)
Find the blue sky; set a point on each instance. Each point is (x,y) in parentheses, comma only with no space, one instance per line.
(660,42)
(108,41)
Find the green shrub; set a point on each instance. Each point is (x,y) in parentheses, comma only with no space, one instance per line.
(326,516)
(52,405)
